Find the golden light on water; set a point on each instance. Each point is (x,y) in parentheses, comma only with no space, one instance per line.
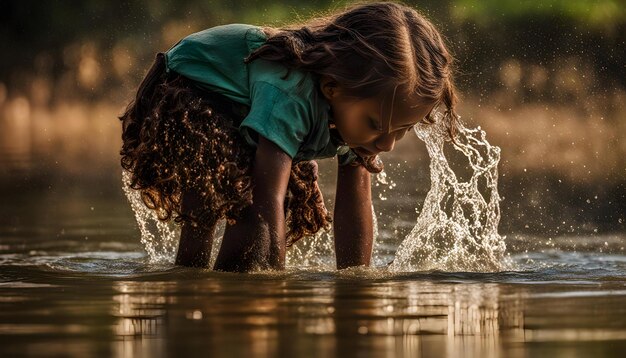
(474,314)
(74,135)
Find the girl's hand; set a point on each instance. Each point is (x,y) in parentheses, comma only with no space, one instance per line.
(257,240)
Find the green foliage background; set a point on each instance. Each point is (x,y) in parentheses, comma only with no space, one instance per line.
(42,38)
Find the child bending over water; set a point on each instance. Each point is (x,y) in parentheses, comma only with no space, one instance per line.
(227,124)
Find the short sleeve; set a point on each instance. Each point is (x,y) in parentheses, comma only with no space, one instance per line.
(277,117)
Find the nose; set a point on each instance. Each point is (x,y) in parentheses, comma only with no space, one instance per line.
(385,142)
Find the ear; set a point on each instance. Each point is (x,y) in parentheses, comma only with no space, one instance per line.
(329,87)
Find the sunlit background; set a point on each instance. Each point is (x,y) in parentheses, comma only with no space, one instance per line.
(545,79)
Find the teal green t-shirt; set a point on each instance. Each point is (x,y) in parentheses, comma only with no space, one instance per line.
(290,112)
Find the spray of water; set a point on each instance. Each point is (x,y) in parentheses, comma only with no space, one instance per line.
(318,252)
(160,239)
(457,229)
(312,252)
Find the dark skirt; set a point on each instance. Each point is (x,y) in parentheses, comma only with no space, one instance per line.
(178,138)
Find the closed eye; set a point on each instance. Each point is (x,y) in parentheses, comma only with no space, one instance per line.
(375,125)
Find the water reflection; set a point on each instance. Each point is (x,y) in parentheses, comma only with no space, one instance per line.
(306,313)
(414,308)
(139,315)
(426,317)
(276,316)
(140,311)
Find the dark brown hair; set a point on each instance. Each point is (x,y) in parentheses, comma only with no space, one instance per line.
(370,49)
(178,138)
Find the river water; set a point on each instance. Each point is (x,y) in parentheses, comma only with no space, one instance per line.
(75,280)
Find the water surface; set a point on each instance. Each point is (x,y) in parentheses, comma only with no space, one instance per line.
(75,281)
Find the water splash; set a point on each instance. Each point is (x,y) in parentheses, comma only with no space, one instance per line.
(457,229)
(313,252)
(318,252)
(386,183)
(160,239)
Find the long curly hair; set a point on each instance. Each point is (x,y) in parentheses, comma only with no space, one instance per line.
(178,138)
(369,49)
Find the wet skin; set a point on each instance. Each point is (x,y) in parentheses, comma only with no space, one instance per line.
(257,240)
(373,125)
(368,126)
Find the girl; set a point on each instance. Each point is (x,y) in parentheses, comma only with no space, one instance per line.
(227,122)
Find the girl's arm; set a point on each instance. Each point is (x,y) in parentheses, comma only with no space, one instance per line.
(194,248)
(257,240)
(353,227)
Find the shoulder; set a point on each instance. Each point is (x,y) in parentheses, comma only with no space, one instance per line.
(226,45)
(279,101)
(296,84)
(296,98)
(225,31)
(301,115)
(223,38)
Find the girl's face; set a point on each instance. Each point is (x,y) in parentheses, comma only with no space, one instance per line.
(373,125)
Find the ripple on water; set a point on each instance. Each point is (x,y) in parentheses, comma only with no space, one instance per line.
(545,266)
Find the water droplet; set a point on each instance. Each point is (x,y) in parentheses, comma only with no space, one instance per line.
(382,178)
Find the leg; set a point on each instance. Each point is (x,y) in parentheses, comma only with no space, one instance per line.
(194,248)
